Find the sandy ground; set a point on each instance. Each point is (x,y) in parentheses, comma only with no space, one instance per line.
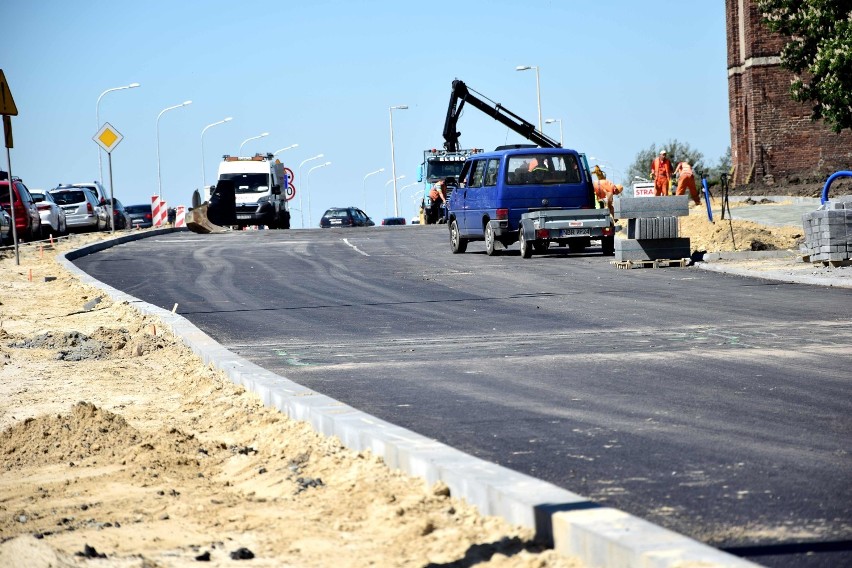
(117,441)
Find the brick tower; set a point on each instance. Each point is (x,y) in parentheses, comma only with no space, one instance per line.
(773,138)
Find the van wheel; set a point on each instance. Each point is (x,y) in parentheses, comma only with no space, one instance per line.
(457,243)
(490,242)
(526,246)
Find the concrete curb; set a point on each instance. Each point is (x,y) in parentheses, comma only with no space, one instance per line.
(575,526)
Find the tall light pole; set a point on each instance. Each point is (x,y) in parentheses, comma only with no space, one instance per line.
(98,120)
(301,212)
(308,181)
(559,120)
(203,130)
(162,112)
(392,181)
(240,151)
(290,147)
(378,171)
(406,186)
(537,89)
(393,159)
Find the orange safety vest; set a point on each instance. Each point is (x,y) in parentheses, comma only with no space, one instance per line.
(661,167)
(685,169)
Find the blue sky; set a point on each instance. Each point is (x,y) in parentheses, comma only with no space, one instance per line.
(322,74)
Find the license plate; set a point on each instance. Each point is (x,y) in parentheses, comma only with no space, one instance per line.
(336,221)
(575,232)
(243,215)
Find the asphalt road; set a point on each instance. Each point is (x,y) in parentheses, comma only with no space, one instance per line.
(714,405)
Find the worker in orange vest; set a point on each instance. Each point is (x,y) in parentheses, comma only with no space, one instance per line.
(661,173)
(686,180)
(604,190)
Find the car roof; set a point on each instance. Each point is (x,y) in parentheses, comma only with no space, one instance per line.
(523,152)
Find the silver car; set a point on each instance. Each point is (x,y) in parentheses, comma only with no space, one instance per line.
(81,208)
(53,219)
(5,227)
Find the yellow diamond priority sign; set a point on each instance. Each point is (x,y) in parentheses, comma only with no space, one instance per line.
(108,137)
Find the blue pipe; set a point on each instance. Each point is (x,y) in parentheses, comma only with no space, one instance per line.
(707,198)
(831,178)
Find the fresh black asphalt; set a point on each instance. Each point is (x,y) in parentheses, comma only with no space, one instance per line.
(714,405)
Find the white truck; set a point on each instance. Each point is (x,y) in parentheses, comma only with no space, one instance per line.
(259,193)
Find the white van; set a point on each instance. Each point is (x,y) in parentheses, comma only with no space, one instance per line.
(259,184)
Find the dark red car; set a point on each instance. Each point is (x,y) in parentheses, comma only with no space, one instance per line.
(27,218)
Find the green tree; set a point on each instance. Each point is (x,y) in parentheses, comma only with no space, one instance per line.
(677,152)
(819,53)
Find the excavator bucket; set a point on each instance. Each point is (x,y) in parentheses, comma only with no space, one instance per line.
(197,221)
(217,214)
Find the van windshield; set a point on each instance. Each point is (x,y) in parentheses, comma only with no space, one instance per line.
(248,183)
(542,169)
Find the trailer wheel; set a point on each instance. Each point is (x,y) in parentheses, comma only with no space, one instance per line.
(526,246)
(608,245)
(490,241)
(457,244)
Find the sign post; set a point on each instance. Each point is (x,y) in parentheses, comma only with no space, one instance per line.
(9,109)
(108,138)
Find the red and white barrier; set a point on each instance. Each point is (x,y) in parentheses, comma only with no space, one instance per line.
(180,216)
(159,210)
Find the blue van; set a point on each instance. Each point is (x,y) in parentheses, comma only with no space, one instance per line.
(497,188)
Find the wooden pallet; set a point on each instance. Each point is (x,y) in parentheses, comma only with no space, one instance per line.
(659,263)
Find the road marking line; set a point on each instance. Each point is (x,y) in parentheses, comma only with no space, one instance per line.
(356,248)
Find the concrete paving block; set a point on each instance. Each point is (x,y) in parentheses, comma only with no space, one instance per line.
(644,207)
(651,249)
(652,228)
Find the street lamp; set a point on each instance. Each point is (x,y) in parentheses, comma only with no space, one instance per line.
(537,90)
(393,160)
(203,130)
(559,120)
(308,183)
(378,171)
(406,186)
(290,147)
(162,112)
(392,181)
(301,213)
(240,151)
(98,120)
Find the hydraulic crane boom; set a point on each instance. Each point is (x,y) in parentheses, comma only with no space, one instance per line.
(461,94)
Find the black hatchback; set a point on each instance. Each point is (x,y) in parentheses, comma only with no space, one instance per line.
(345,217)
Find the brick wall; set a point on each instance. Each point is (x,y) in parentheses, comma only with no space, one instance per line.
(773,139)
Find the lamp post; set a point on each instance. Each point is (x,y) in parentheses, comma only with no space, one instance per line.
(308,183)
(98,120)
(537,89)
(392,181)
(378,171)
(406,186)
(162,112)
(559,120)
(203,130)
(302,213)
(240,151)
(393,160)
(290,147)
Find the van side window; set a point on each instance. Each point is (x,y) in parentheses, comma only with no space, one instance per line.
(463,174)
(543,169)
(478,173)
(491,172)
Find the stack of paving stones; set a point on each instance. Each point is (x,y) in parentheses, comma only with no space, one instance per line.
(828,231)
(652,230)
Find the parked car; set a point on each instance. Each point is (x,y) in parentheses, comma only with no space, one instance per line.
(393,221)
(100,198)
(119,213)
(141,216)
(345,217)
(27,218)
(53,220)
(81,207)
(415,220)
(5,228)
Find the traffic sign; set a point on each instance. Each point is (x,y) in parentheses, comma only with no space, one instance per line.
(289,173)
(108,137)
(290,192)
(7,103)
